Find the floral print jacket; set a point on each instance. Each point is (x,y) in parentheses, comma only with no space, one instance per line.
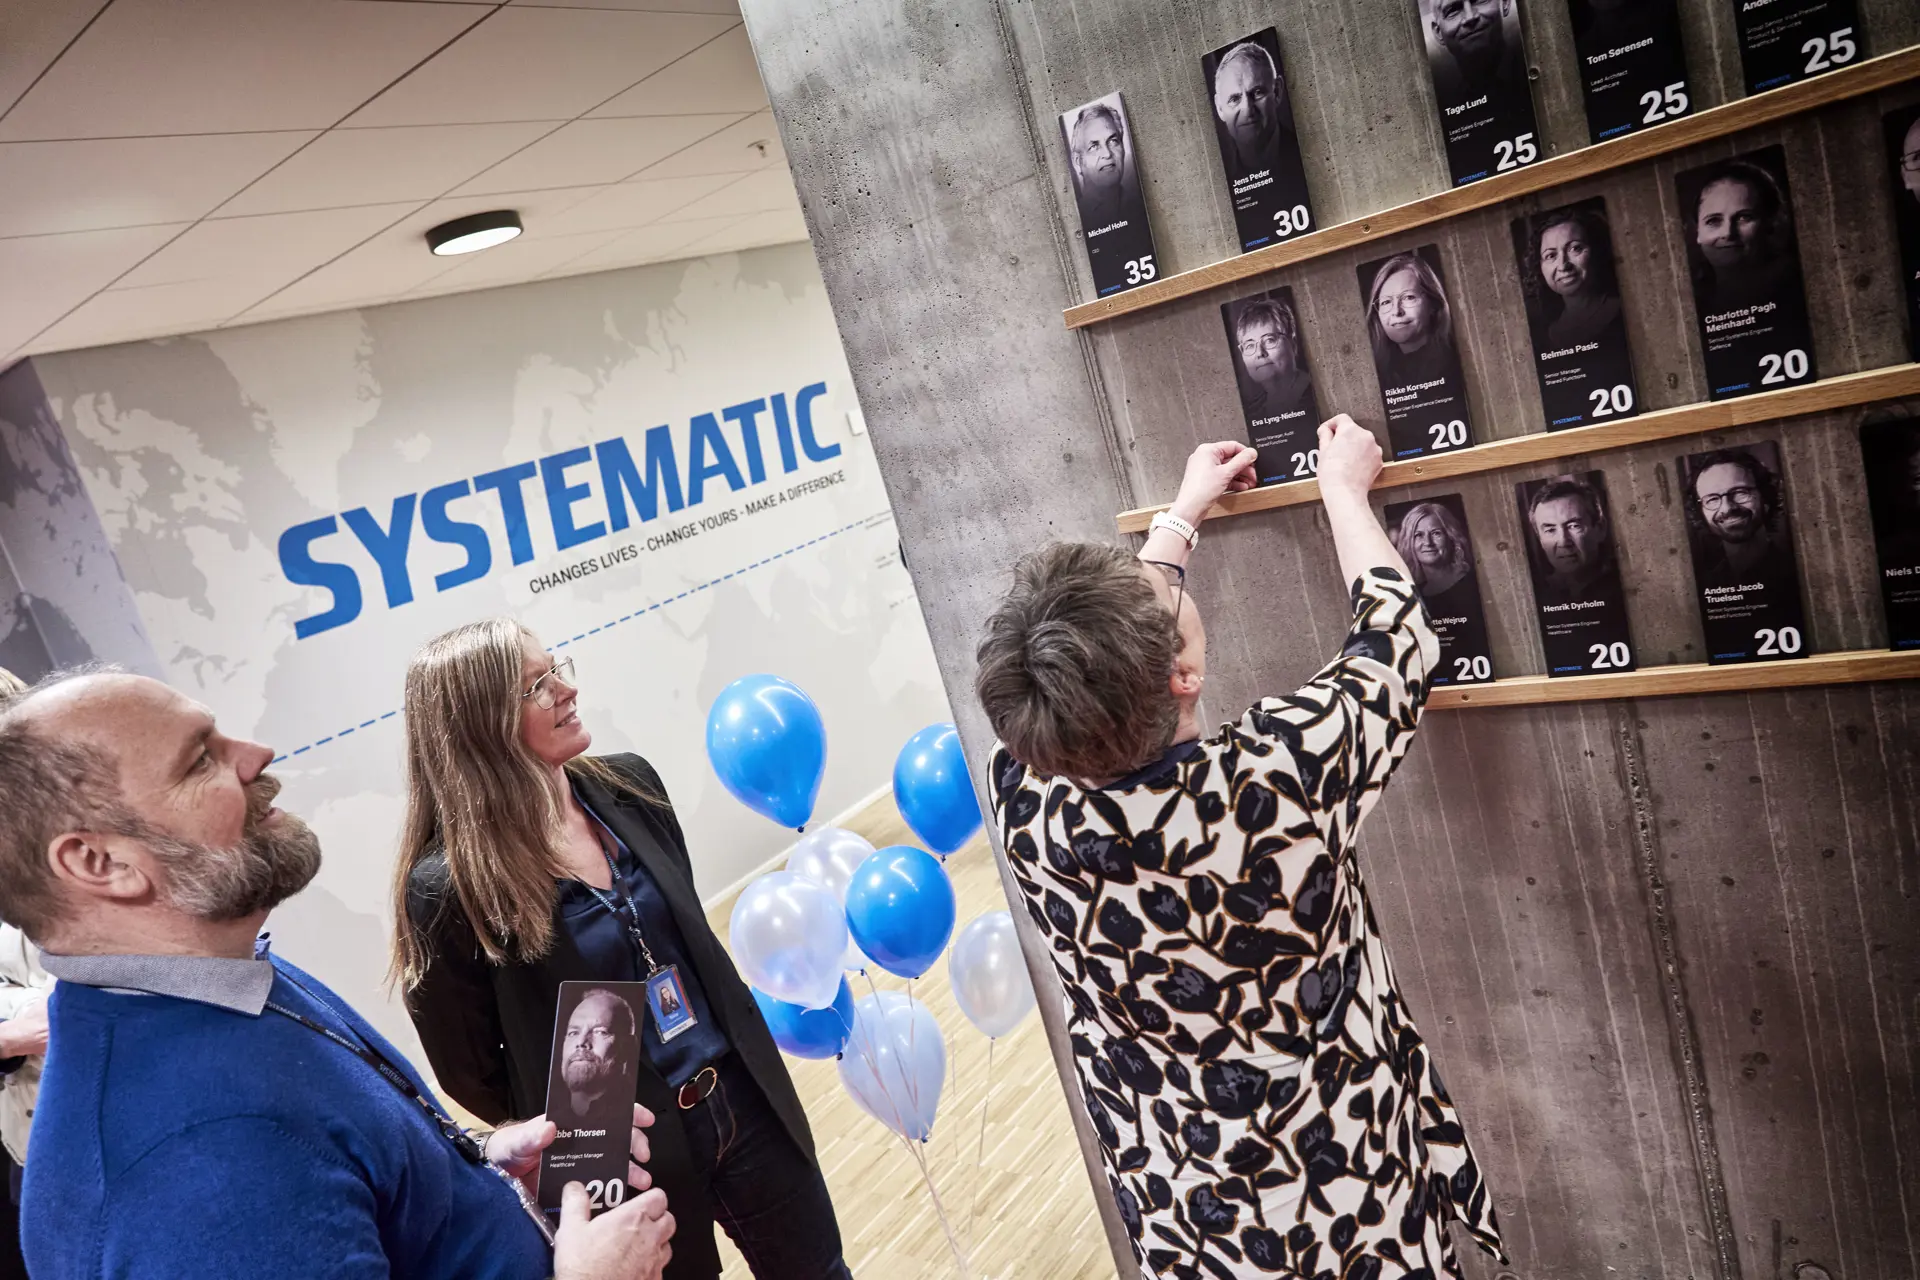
(1263,1101)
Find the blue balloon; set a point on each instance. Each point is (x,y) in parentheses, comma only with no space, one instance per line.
(931,786)
(766,741)
(900,909)
(809,1033)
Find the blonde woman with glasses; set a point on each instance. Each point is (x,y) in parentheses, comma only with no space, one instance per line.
(526,863)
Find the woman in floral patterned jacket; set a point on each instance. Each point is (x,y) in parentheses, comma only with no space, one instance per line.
(1263,1102)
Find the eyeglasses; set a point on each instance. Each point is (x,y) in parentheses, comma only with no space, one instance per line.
(1176,576)
(1740,495)
(1911,162)
(543,693)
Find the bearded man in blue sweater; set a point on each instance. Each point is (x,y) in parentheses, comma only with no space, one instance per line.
(208,1111)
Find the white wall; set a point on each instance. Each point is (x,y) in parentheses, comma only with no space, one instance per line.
(201,452)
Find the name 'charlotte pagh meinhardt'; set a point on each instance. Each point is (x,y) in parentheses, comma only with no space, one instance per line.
(634,489)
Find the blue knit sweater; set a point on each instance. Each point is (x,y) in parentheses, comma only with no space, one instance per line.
(180,1139)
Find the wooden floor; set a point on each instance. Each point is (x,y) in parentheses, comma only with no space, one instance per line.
(1025,1209)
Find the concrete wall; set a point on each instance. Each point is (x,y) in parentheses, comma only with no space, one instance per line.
(1667,949)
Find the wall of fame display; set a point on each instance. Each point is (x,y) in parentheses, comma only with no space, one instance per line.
(1578,326)
(1107,191)
(1276,391)
(1409,322)
(1253,121)
(1633,68)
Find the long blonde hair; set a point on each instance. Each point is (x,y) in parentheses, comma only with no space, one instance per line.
(477,794)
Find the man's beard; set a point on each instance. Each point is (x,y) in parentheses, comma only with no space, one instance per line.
(266,868)
(586,1072)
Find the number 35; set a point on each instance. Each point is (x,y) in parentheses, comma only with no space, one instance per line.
(1140,270)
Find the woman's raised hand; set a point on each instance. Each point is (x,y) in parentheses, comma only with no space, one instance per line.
(1350,458)
(1225,466)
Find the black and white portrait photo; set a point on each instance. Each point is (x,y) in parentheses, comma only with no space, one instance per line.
(1782,41)
(1574,313)
(1479,64)
(1890,448)
(1253,120)
(1743,560)
(1744,261)
(1903,162)
(1568,528)
(591,1084)
(1410,329)
(1633,68)
(1276,391)
(1106,188)
(1431,536)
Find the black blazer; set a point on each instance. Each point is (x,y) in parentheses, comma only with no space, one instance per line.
(488,1029)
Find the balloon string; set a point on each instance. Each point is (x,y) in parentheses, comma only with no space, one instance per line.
(980,1151)
(939,1209)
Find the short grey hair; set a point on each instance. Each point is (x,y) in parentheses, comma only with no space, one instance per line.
(48,786)
(1073,672)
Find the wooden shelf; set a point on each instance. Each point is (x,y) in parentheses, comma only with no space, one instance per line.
(1716,122)
(1542,446)
(1854,667)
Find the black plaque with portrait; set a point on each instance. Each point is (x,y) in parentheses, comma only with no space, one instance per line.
(1410,327)
(1633,68)
(1105,168)
(1572,288)
(1736,220)
(1479,65)
(1891,449)
(1903,158)
(1253,120)
(1743,562)
(1276,390)
(1431,536)
(1568,527)
(590,1090)
(1786,40)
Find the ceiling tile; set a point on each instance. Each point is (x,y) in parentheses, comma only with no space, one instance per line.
(763,192)
(127,315)
(595,151)
(397,259)
(634,204)
(48,187)
(751,232)
(720,76)
(731,7)
(635,248)
(32,36)
(376,166)
(211,66)
(272,249)
(731,150)
(47,276)
(485,75)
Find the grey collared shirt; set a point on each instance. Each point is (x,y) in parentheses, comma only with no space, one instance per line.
(239,985)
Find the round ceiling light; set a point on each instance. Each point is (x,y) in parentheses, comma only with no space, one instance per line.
(474,232)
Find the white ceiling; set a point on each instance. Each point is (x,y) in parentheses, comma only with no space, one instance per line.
(168,166)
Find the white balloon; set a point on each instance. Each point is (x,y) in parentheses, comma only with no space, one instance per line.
(896,1062)
(829,855)
(788,935)
(989,974)
(856,960)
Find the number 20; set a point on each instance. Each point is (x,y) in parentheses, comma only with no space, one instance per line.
(1785,640)
(605,1195)
(1448,435)
(1475,668)
(1307,464)
(1608,657)
(1775,368)
(1607,402)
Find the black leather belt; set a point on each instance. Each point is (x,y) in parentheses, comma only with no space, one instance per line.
(695,1091)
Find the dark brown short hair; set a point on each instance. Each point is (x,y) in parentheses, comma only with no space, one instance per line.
(1074,668)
